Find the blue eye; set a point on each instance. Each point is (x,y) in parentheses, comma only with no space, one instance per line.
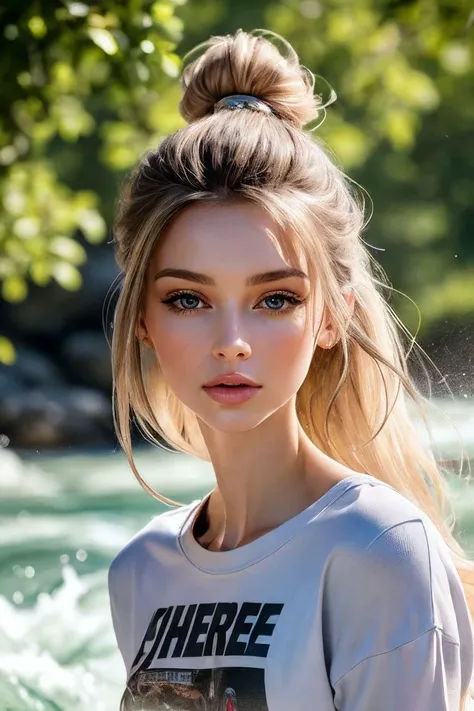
(279,298)
(188,302)
(184,297)
(188,298)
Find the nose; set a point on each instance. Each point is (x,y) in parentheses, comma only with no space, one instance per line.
(230,351)
(230,345)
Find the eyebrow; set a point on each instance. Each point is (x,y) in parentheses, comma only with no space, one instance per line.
(254,280)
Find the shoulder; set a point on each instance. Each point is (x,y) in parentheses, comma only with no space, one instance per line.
(393,568)
(367,507)
(143,558)
(372,520)
(389,578)
(152,542)
(386,539)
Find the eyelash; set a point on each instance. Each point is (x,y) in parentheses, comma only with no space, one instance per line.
(177,295)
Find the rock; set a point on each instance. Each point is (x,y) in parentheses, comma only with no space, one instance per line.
(57,416)
(57,393)
(50,310)
(31,368)
(86,359)
(10,383)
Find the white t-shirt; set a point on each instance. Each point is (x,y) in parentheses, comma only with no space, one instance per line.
(354,604)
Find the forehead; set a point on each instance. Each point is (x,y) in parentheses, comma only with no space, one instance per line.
(235,236)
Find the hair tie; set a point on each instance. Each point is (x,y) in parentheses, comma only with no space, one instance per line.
(243,101)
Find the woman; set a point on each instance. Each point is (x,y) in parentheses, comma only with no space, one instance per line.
(250,331)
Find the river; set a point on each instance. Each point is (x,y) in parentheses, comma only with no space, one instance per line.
(63,517)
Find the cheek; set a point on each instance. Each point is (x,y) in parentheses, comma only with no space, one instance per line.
(290,340)
(286,352)
(176,343)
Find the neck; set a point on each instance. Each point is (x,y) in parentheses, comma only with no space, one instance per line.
(264,476)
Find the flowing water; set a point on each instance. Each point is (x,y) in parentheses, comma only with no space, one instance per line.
(63,517)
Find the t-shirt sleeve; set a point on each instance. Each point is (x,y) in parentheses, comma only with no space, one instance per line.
(119,588)
(421,675)
(395,624)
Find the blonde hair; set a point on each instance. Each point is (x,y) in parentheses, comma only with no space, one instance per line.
(353,402)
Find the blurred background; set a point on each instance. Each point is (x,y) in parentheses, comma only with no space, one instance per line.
(85,89)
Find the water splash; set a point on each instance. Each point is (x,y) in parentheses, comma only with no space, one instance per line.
(60,655)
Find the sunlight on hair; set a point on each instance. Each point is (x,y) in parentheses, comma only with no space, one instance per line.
(358,399)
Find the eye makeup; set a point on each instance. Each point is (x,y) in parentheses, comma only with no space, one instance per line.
(183,294)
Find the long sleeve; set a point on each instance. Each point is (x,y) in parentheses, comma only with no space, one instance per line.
(396,624)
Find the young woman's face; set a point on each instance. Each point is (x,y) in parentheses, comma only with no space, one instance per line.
(228,324)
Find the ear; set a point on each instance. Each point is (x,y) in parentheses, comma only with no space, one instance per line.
(328,336)
(142,333)
(350,301)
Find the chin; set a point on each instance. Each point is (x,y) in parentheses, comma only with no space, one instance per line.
(231,420)
(234,419)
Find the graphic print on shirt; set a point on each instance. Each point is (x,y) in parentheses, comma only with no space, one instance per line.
(203,630)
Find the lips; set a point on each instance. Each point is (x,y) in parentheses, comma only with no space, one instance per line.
(231,389)
(232,380)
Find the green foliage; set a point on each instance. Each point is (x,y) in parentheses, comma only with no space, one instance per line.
(39,217)
(87,87)
(73,76)
(7,351)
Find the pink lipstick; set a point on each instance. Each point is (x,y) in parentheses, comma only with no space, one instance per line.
(231,389)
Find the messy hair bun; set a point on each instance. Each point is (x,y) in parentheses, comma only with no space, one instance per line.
(243,63)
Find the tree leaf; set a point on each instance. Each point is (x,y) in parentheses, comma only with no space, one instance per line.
(40,272)
(7,351)
(103,39)
(93,225)
(14,288)
(67,276)
(68,249)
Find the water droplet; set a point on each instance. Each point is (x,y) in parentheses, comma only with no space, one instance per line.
(64,558)
(4,440)
(17,597)
(81,555)
(29,571)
